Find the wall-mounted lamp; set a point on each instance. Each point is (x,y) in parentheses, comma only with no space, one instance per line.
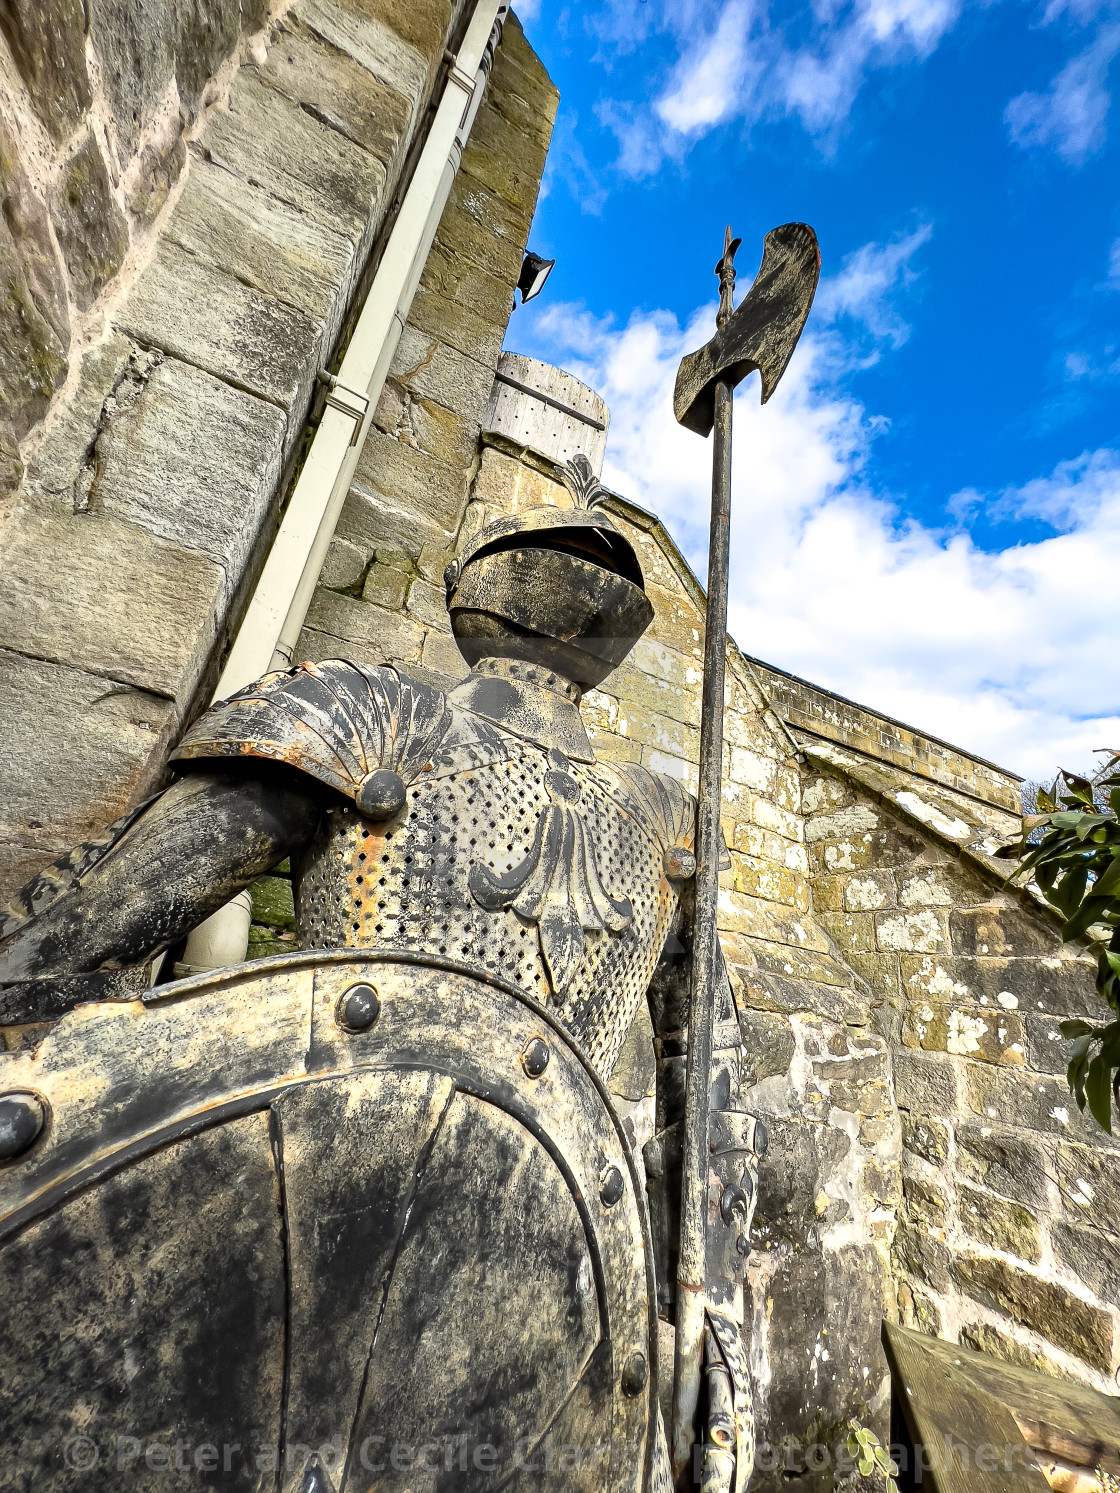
(534,272)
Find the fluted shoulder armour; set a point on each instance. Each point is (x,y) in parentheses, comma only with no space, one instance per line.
(336,721)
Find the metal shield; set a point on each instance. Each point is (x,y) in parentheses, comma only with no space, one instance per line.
(369,1217)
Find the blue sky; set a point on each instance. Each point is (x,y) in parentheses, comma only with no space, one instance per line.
(928,512)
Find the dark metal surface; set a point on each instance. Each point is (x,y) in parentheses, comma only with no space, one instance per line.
(691,1264)
(414,1246)
(22,1118)
(189,852)
(761,334)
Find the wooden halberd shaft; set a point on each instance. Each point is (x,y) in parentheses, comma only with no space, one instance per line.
(691,1271)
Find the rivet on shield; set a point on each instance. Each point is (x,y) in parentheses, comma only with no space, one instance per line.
(358,1008)
(535,1056)
(22,1118)
(611,1186)
(634,1375)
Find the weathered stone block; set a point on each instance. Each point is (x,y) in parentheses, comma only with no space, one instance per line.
(94,745)
(47,41)
(850,930)
(810,1287)
(1019,1097)
(1001,1225)
(337,91)
(802,1158)
(1046,1308)
(148,466)
(828,893)
(1058,986)
(762,878)
(435,370)
(515,175)
(1047,1049)
(911,932)
(926,1138)
(1004,1162)
(136,63)
(1001,931)
(108,597)
(412,483)
(441,654)
(926,1206)
(1089,1182)
(462,310)
(769,1045)
(631,685)
(201,315)
(494,229)
(916,1252)
(970,1031)
(252,235)
(753,769)
(359,31)
(924,1085)
(265,137)
(385,587)
(387,632)
(879,970)
(1093,1260)
(34,330)
(988,1339)
(778,984)
(769,920)
(944,885)
(154,173)
(421,23)
(676,624)
(781,821)
(345,567)
(429,427)
(823,795)
(428,604)
(868,891)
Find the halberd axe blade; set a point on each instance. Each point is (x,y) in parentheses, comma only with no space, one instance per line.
(761,333)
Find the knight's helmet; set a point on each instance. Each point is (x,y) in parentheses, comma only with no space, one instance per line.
(558,587)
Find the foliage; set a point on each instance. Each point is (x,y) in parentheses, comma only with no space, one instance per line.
(1076,865)
(870,1456)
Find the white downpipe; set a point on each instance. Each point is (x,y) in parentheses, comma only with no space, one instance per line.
(276,612)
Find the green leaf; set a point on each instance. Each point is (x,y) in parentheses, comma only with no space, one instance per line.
(1098,1093)
(1080,787)
(1108,882)
(883,1460)
(1086,915)
(853,1446)
(865,1467)
(1046,802)
(1076,1028)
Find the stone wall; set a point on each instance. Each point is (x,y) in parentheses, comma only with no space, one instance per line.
(814,714)
(190,192)
(1007,1234)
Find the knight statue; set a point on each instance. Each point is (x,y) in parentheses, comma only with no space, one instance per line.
(365,1215)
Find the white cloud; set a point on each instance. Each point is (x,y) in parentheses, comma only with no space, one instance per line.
(1011,654)
(736,61)
(1071,116)
(865,288)
(707,83)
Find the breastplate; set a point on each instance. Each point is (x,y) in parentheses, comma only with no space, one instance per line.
(511,860)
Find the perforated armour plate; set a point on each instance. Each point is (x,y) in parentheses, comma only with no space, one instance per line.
(404,885)
(245,1226)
